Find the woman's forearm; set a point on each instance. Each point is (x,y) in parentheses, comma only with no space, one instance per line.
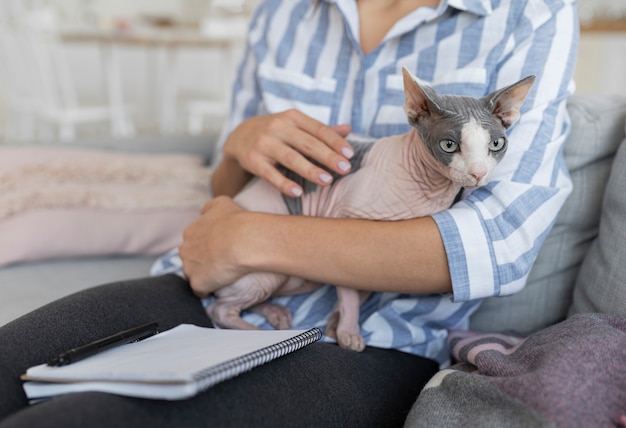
(229,178)
(400,256)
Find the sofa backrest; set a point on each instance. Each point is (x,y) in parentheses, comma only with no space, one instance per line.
(598,124)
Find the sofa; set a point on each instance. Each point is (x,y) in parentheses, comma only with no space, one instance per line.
(581,267)
(597,132)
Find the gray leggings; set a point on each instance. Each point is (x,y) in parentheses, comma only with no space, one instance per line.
(320,386)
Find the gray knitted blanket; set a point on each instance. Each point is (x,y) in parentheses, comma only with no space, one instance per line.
(572,374)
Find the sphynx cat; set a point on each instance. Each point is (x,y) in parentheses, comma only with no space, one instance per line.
(455,142)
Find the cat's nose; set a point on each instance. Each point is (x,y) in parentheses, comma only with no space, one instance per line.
(478,176)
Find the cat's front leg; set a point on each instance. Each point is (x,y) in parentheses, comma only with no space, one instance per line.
(249,292)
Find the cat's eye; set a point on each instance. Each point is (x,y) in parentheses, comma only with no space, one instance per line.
(497,144)
(449,146)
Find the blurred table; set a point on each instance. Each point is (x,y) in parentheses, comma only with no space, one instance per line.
(170,38)
(604,26)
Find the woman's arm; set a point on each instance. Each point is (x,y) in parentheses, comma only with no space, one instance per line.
(399,256)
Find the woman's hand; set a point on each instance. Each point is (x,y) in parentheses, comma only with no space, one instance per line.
(208,248)
(290,139)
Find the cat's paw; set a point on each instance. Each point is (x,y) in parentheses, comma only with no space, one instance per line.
(351,341)
(278,316)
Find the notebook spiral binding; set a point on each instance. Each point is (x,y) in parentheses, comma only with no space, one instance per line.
(229,369)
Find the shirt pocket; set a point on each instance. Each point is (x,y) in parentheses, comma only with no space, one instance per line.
(283,89)
(391,109)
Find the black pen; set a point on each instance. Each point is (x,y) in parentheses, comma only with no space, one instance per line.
(121,338)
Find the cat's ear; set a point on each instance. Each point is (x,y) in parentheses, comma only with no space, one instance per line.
(421,100)
(506,103)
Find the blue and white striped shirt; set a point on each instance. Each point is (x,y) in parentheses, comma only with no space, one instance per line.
(308,57)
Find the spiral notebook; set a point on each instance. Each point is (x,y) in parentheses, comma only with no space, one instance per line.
(172,365)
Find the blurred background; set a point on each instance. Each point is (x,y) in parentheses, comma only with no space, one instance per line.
(83,68)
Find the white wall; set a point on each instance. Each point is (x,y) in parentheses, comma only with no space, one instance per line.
(200,71)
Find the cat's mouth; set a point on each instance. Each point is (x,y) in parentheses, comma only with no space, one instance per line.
(470,177)
(470,182)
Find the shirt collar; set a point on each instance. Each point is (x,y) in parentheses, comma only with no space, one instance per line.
(349,10)
(477,7)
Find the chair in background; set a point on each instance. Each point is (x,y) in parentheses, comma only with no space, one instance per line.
(20,101)
(38,82)
(207,109)
(16,76)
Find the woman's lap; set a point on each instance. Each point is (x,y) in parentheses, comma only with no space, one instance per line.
(321,385)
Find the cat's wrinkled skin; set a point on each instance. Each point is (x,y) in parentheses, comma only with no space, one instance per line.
(455,143)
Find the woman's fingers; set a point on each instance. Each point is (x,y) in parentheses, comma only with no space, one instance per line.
(282,183)
(334,151)
(294,140)
(206,250)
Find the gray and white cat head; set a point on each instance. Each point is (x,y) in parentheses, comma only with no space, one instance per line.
(467,135)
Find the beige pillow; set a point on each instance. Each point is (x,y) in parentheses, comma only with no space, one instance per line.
(63,202)
(77,232)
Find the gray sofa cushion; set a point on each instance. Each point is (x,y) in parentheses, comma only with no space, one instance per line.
(597,130)
(601,284)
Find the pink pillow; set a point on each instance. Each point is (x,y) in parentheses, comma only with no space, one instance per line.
(78,232)
(64,202)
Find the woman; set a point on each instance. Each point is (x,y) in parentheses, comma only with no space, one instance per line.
(314,71)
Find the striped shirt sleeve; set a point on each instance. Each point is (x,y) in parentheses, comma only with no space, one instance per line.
(494,234)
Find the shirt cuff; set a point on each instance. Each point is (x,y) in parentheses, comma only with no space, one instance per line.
(469,254)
